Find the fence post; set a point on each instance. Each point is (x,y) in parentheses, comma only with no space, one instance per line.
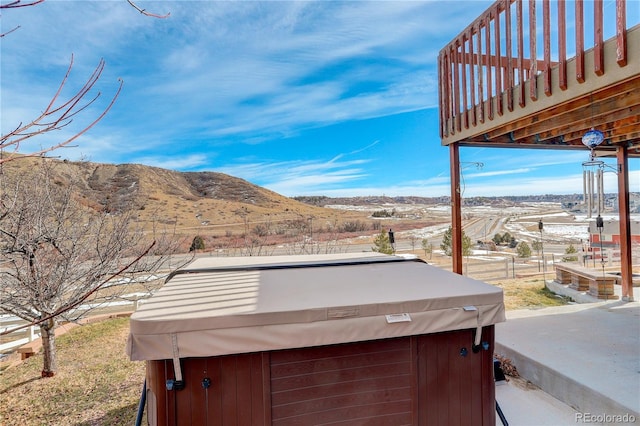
(32,333)
(513,266)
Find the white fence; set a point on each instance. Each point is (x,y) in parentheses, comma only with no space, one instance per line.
(14,340)
(31,333)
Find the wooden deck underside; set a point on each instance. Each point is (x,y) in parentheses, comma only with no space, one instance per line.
(609,103)
(494,91)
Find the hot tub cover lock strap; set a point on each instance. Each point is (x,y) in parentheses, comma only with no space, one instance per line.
(476,342)
(178,383)
(478,336)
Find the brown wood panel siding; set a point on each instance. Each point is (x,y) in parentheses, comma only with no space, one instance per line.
(261,390)
(198,401)
(159,408)
(621,33)
(452,386)
(357,383)
(244,387)
(416,380)
(488,385)
(229,391)
(213,394)
(235,396)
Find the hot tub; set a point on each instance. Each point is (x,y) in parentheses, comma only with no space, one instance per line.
(322,339)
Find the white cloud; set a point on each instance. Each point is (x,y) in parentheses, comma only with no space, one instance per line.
(178,163)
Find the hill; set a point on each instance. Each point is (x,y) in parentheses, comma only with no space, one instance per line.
(190,202)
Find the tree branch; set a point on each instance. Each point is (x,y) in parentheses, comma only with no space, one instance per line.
(55,118)
(145,13)
(18,3)
(83,298)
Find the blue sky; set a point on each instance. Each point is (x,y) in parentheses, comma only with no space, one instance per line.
(304,98)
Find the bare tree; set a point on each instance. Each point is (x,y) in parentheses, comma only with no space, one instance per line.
(57,115)
(14,4)
(60,112)
(56,253)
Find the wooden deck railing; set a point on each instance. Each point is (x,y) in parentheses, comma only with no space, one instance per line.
(484,68)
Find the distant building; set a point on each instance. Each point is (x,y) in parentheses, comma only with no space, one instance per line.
(610,236)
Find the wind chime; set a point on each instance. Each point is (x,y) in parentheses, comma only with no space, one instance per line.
(593,174)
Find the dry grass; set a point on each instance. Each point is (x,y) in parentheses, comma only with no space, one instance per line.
(528,293)
(96,383)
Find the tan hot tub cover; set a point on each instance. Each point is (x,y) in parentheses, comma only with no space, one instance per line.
(219,306)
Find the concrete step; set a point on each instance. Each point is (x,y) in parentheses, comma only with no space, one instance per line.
(586,356)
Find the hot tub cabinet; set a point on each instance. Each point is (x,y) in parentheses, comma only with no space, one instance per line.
(361,339)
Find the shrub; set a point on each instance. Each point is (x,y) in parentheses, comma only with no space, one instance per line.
(197,243)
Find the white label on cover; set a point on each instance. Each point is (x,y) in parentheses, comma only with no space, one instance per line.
(391,318)
(470,308)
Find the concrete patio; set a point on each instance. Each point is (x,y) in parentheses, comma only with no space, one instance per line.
(578,363)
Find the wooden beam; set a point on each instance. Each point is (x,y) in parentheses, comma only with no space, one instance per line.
(624,123)
(562,46)
(598,38)
(579,41)
(465,104)
(456,209)
(472,81)
(625,224)
(503,61)
(496,64)
(442,95)
(621,33)
(546,30)
(488,61)
(623,89)
(480,78)
(456,89)
(520,35)
(509,79)
(533,81)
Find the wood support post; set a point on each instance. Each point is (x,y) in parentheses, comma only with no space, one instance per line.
(625,223)
(456,209)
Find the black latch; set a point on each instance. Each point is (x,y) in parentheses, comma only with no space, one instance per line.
(175,385)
